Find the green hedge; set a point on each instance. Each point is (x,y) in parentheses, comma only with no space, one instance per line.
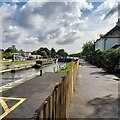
(108,59)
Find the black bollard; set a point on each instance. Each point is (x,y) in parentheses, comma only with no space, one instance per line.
(40,72)
(54,69)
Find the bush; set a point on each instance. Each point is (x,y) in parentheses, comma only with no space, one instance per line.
(109,59)
(112,59)
(7,55)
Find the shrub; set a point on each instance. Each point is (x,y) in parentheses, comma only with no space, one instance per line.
(112,59)
(109,59)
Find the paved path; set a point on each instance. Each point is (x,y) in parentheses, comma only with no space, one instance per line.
(96,94)
(35,91)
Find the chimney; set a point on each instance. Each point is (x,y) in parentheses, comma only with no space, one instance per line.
(118,23)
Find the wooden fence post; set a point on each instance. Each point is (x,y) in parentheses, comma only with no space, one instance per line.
(57,105)
(50,107)
(41,115)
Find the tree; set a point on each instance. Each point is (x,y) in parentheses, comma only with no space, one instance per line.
(21,51)
(34,52)
(39,51)
(88,50)
(11,49)
(44,54)
(62,53)
(75,55)
(53,53)
(7,55)
(47,51)
(8,52)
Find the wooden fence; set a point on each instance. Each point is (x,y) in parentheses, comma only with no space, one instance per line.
(57,105)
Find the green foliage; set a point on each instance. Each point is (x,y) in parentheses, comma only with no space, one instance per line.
(109,59)
(53,53)
(88,50)
(112,59)
(44,54)
(34,52)
(47,51)
(7,55)
(21,51)
(11,50)
(39,52)
(68,68)
(75,55)
(61,52)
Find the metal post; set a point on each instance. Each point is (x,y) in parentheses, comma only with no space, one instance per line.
(40,72)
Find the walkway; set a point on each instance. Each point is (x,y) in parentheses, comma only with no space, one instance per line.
(32,93)
(96,94)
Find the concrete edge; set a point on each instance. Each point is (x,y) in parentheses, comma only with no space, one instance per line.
(16,83)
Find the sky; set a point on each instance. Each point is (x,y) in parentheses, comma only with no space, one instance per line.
(67,24)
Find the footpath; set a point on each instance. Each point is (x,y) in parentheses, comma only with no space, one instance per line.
(96,94)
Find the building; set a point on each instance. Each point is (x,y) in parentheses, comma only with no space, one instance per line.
(110,40)
(17,57)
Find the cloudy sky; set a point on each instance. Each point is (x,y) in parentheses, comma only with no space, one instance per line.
(64,24)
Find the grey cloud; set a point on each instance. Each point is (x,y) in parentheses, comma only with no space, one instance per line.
(112,11)
(46,11)
(46,21)
(11,36)
(15,35)
(68,39)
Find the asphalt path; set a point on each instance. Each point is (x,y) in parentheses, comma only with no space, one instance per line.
(35,91)
(96,94)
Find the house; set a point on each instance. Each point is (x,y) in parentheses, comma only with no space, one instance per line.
(110,40)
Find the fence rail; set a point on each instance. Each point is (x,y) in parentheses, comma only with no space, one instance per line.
(57,105)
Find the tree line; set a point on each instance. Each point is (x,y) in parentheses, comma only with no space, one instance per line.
(46,53)
(43,51)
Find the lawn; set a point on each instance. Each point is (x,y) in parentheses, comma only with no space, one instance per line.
(18,62)
(68,68)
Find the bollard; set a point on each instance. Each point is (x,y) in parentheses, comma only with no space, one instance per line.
(40,72)
(59,66)
(54,69)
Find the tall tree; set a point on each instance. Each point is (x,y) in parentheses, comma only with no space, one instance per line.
(47,51)
(39,51)
(11,49)
(53,53)
(88,50)
(61,52)
(44,54)
(34,52)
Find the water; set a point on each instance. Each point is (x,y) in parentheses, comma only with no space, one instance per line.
(9,77)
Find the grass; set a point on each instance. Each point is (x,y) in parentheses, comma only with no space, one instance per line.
(68,68)
(18,62)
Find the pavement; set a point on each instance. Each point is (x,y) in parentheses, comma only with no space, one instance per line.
(96,94)
(30,95)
